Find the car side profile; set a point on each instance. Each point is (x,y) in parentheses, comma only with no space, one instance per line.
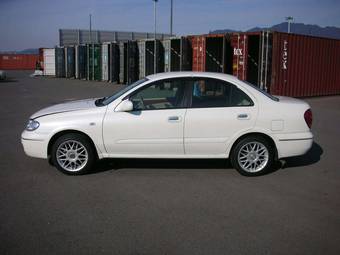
(173,115)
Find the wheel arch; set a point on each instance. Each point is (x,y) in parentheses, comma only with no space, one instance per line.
(263,135)
(69,131)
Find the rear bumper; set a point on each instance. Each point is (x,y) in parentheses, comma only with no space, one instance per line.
(290,145)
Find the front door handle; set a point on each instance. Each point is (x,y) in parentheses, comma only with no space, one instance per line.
(174,119)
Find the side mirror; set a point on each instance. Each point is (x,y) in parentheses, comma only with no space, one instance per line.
(125,106)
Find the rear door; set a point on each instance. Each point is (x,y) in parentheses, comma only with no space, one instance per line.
(219,110)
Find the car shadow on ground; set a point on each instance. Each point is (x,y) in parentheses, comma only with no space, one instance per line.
(311,157)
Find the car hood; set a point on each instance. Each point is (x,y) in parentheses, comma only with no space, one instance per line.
(66,107)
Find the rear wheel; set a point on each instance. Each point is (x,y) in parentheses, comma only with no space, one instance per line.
(73,154)
(252,156)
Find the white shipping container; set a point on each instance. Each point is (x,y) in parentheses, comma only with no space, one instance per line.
(49,61)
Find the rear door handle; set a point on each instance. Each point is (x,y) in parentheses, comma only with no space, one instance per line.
(243,116)
(174,119)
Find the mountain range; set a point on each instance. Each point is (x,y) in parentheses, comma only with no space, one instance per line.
(295,28)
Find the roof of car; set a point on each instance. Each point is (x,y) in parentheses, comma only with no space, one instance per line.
(191,74)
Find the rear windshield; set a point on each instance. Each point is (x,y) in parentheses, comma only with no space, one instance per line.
(262,91)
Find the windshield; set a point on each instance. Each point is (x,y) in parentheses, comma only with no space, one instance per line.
(262,91)
(110,99)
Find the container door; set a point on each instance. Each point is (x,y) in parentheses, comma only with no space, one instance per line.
(70,62)
(198,53)
(121,63)
(82,62)
(175,51)
(264,78)
(167,55)
(186,55)
(60,62)
(159,57)
(239,43)
(105,62)
(132,62)
(114,63)
(49,61)
(141,55)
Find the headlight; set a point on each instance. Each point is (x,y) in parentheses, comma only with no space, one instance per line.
(32,125)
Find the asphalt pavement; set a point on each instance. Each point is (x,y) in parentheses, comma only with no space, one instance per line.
(162,206)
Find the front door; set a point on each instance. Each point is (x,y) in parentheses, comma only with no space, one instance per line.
(154,128)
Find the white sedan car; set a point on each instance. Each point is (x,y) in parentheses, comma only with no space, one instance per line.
(173,115)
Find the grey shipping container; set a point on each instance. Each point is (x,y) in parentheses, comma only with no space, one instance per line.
(146,57)
(177,54)
(80,62)
(59,62)
(114,62)
(69,62)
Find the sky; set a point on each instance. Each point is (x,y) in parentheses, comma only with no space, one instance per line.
(35,23)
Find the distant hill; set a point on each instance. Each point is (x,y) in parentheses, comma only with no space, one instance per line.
(296,28)
(26,51)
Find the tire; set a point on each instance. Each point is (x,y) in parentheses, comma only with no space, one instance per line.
(73,154)
(253,156)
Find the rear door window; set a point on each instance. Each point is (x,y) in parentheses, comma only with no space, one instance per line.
(208,92)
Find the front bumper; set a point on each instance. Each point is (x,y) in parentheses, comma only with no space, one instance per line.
(35,145)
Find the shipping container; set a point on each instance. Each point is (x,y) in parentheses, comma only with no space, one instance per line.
(212,53)
(69,62)
(18,61)
(114,62)
(94,62)
(147,57)
(59,62)
(48,62)
(288,64)
(129,55)
(80,62)
(177,54)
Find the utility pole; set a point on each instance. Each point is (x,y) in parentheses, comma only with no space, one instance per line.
(289,19)
(155,46)
(171,16)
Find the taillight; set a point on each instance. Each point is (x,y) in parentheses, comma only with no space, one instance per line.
(308,117)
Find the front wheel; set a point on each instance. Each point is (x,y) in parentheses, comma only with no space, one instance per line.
(253,156)
(73,154)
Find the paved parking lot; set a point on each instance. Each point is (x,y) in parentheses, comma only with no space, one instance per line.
(162,206)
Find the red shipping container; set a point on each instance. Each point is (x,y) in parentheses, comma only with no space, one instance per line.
(288,64)
(18,61)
